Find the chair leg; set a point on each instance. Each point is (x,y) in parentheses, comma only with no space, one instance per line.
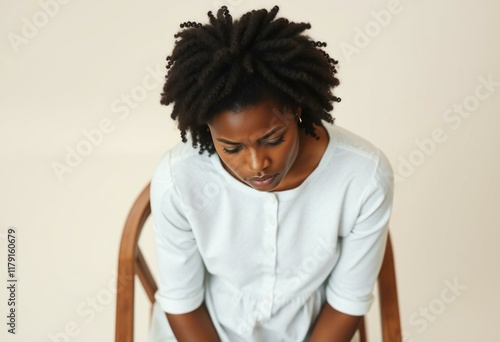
(124,325)
(389,304)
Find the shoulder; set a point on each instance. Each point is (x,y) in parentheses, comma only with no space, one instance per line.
(351,143)
(178,165)
(357,155)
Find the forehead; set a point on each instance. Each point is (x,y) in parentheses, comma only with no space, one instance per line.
(251,122)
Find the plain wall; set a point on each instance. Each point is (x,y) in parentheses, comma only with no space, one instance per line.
(412,82)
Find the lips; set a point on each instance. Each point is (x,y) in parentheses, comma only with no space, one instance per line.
(259,182)
(260,179)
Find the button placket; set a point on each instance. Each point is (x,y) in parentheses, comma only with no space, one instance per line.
(269,249)
(271,223)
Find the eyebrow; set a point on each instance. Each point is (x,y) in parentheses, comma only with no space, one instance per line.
(265,136)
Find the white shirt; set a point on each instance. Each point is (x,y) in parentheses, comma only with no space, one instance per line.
(265,262)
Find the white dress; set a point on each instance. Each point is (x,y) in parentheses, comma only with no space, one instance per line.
(264,263)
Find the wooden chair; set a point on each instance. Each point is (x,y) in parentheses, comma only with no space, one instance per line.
(132,262)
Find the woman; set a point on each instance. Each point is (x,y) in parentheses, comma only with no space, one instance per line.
(269,225)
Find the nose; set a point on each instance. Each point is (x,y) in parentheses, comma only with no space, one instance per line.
(258,160)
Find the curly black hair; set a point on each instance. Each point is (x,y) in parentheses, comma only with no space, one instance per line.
(227,64)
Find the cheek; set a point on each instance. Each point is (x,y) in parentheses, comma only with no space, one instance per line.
(284,156)
(232,162)
(292,149)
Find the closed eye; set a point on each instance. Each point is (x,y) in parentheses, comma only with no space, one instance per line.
(231,150)
(275,141)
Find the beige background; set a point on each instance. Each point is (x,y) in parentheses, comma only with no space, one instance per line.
(70,71)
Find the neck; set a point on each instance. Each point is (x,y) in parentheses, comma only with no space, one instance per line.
(308,157)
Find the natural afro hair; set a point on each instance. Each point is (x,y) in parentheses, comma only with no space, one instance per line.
(228,63)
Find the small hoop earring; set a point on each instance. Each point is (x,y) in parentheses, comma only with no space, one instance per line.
(299,114)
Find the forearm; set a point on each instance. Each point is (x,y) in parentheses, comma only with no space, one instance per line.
(334,326)
(194,326)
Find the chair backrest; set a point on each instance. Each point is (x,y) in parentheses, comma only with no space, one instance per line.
(132,262)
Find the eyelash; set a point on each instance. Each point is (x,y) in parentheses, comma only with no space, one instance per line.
(271,143)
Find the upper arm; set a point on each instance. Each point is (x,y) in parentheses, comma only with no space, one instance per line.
(180,266)
(351,282)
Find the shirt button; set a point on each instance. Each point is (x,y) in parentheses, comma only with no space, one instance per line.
(272,221)
(270,250)
(272,199)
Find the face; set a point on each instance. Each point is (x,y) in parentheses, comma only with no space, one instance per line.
(257,145)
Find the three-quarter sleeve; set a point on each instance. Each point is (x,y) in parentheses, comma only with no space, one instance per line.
(350,285)
(180,267)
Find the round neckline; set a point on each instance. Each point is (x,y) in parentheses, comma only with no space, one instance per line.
(283,194)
